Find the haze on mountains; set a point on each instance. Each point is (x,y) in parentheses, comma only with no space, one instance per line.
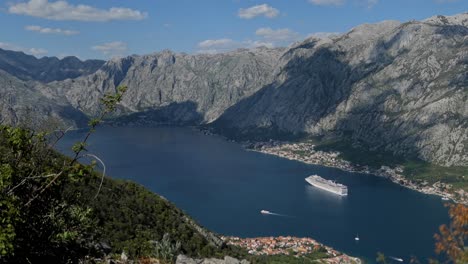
(397,87)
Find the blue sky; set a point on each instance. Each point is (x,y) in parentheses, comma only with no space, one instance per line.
(102,29)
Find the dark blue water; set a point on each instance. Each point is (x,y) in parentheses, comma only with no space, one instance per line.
(224,187)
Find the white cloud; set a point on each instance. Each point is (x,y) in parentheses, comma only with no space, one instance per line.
(218,45)
(366,3)
(46,30)
(209,43)
(278,35)
(63,55)
(112,49)
(323,35)
(62,10)
(258,10)
(327,2)
(266,37)
(223,45)
(32,51)
(37,51)
(259,43)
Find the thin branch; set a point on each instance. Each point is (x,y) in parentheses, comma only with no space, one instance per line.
(103,172)
(45,188)
(42,176)
(60,136)
(29,178)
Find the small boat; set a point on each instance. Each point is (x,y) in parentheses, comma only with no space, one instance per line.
(397,259)
(265,212)
(356,238)
(445,198)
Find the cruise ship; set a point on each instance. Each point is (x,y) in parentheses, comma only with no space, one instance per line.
(327,185)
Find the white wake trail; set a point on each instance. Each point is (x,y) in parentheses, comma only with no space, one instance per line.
(397,259)
(276,214)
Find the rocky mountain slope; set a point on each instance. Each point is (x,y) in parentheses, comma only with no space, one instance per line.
(178,88)
(397,87)
(46,69)
(391,86)
(22,103)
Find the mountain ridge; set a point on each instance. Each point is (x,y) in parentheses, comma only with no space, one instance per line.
(390,86)
(45,69)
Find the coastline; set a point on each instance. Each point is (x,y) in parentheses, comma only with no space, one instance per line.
(288,245)
(305,152)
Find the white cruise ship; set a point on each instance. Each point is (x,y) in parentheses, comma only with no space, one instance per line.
(327,185)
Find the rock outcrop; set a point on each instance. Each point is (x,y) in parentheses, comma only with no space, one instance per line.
(182,259)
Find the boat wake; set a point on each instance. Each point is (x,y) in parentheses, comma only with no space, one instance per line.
(397,259)
(265,212)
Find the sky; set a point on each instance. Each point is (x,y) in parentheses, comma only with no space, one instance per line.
(101,29)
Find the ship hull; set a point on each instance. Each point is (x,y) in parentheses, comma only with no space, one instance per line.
(325,188)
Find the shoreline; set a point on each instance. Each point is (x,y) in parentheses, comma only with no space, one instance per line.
(289,245)
(309,155)
(305,152)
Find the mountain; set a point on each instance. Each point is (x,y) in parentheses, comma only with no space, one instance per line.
(180,88)
(401,88)
(22,103)
(396,87)
(46,69)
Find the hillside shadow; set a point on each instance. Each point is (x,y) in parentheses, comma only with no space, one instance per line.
(180,114)
(312,87)
(68,112)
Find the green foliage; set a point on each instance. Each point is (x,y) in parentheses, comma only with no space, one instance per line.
(165,250)
(129,216)
(78,147)
(359,154)
(37,222)
(8,212)
(423,171)
(111,100)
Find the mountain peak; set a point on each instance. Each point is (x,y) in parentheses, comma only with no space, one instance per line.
(459,19)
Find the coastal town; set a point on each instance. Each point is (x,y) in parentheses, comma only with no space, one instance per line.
(287,245)
(305,152)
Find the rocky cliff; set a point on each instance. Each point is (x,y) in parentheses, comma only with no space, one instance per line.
(178,88)
(397,87)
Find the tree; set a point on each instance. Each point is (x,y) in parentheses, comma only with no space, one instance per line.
(36,222)
(450,240)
